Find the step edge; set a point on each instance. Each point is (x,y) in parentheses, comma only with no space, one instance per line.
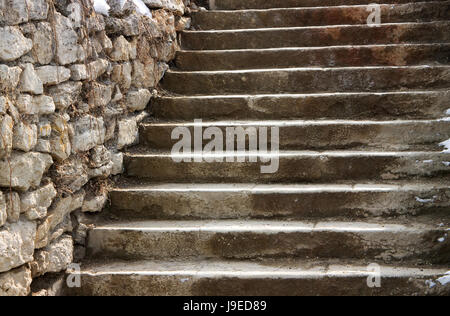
(301,69)
(307,48)
(311,27)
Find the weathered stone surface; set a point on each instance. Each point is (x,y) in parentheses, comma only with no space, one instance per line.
(65,94)
(9,77)
(35,204)
(25,105)
(101,172)
(43,43)
(117,159)
(127,27)
(13,12)
(67,48)
(3,105)
(3,213)
(121,74)
(14,113)
(21,11)
(97,68)
(121,49)
(37,9)
(79,72)
(13,44)
(29,81)
(16,244)
(94,203)
(121,8)
(16,282)
(55,257)
(52,75)
(6,130)
(25,136)
(147,75)
(138,100)
(173,5)
(182,23)
(127,132)
(60,146)
(64,227)
(12,206)
(100,95)
(117,96)
(71,174)
(57,214)
(43,146)
(44,128)
(88,131)
(99,156)
(44,104)
(26,170)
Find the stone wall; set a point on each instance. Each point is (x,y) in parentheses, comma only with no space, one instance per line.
(74,86)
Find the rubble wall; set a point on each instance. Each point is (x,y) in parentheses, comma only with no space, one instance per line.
(74,85)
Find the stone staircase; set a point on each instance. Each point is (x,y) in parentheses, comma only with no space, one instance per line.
(361,178)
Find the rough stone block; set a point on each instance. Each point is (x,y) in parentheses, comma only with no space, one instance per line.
(16,282)
(35,204)
(53,75)
(25,136)
(24,170)
(29,81)
(16,244)
(88,132)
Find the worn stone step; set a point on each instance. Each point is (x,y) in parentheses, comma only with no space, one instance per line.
(362,105)
(295,166)
(312,135)
(232,239)
(337,56)
(307,80)
(395,33)
(234,201)
(267,4)
(244,278)
(314,16)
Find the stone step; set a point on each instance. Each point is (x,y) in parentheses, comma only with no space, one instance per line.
(395,33)
(373,106)
(307,80)
(337,56)
(290,202)
(244,278)
(268,4)
(314,16)
(294,166)
(250,239)
(313,135)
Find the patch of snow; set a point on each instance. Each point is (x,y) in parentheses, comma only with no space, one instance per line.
(427,161)
(446,144)
(445,279)
(446,163)
(448,112)
(102,7)
(142,8)
(430,283)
